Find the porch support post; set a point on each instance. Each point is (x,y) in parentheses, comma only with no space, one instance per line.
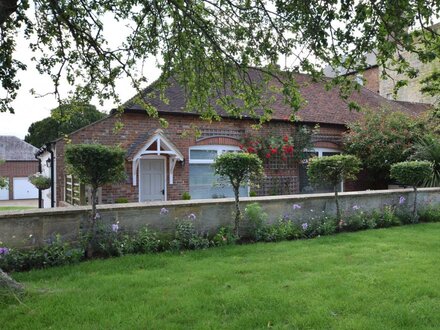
(173,161)
(134,170)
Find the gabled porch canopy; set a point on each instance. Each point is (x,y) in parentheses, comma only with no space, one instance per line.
(163,147)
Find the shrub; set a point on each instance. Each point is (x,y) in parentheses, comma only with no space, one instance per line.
(327,228)
(380,139)
(357,221)
(121,200)
(143,241)
(40,181)
(186,196)
(224,236)
(279,231)
(56,253)
(387,218)
(256,218)
(412,173)
(430,214)
(187,238)
(332,170)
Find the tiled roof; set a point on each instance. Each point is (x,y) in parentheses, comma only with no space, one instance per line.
(12,148)
(320,106)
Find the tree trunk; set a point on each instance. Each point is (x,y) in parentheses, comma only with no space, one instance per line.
(8,283)
(92,229)
(237,211)
(415,215)
(338,210)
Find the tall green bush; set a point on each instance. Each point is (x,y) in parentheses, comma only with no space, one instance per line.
(238,169)
(382,138)
(95,165)
(332,170)
(412,173)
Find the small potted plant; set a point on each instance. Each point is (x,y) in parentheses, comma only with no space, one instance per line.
(40,181)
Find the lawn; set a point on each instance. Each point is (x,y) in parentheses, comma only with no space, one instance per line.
(15,208)
(376,279)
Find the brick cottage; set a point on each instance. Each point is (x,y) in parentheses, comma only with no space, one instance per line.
(164,163)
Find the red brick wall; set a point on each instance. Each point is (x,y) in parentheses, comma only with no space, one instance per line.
(11,169)
(180,132)
(371,77)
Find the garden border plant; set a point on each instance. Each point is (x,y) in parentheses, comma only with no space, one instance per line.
(112,240)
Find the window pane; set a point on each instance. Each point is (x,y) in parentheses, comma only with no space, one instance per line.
(204,184)
(202,154)
(332,153)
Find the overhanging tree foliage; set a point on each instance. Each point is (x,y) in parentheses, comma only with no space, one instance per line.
(95,165)
(238,169)
(209,45)
(412,173)
(332,170)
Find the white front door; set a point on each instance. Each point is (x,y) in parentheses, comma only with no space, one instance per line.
(152,180)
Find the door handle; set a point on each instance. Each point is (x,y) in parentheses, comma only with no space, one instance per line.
(163,191)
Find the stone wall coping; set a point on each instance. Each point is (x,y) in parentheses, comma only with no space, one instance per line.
(159,204)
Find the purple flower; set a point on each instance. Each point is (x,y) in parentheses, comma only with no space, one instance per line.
(356,207)
(305,225)
(402,200)
(115,227)
(296,206)
(164,211)
(4,250)
(192,216)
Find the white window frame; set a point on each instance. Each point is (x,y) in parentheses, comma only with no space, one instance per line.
(220,150)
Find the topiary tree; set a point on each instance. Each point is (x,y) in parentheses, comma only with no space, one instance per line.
(95,165)
(238,168)
(332,170)
(412,173)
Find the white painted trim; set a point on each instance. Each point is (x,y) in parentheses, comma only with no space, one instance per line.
(160,139)
(219,148)
(164,172)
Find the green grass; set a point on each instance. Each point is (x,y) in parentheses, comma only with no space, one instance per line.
(377,279)
(15,208)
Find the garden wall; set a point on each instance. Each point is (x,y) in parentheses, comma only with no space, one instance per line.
(33,228)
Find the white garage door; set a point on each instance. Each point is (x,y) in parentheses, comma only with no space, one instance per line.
(4,194)
(23,189)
